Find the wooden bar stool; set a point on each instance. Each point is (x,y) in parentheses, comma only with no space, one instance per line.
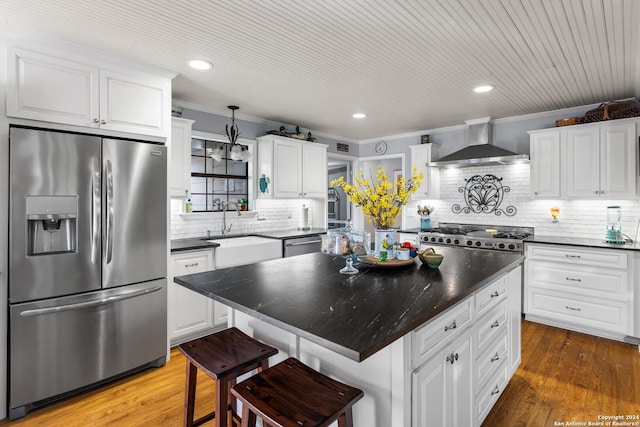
(291,394)
(223,356)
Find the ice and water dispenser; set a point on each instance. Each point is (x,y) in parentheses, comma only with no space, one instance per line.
(52,224)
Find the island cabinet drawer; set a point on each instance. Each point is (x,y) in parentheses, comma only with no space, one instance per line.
(610,258)
(435,334)
(490,296)
(593,281)
(489,327)
(613,316)
(488,361)
(489,394)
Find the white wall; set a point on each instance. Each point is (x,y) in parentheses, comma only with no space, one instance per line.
(578,218)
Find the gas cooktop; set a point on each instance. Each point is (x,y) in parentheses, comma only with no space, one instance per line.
(497,237)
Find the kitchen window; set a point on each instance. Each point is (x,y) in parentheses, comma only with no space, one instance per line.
(226,179)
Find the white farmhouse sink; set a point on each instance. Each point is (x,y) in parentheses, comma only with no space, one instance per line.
(235,251)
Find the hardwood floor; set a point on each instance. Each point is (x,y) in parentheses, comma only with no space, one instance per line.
(564,377)
(154,397)
(569,377)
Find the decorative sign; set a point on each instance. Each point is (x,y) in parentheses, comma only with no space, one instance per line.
(484,194)
(343,147)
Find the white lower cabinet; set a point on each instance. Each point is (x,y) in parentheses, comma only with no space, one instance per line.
(463,359)
(191,315)
(589,290)
(443,386)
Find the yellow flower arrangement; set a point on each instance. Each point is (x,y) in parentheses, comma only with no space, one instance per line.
(380,200)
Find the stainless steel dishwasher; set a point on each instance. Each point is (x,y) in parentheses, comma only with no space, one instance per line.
(302,245)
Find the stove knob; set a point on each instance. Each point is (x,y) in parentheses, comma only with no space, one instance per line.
(440,240)
(456,242)
(448,241)
(512,246)
(469,243)
(433,239)
(478,244)
(501,245)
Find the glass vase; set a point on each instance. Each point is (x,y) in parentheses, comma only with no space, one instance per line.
(385,235)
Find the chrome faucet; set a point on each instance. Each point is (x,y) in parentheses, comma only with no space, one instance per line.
(225,205)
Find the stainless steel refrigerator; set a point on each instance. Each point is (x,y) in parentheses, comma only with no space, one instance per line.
(87,263)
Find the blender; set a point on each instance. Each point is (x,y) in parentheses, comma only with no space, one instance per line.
(614,229)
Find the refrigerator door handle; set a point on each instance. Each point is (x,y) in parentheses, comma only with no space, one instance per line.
(109,212)
(95,211)
(88,304)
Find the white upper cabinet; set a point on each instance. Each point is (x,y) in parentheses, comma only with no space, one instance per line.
(618,154)
(295,169)
(180,157)
(596,160)
(63,90)
(420,156)
(601,161)
(545,164)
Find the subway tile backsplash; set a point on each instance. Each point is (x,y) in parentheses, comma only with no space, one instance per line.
(268,215)
(578,218)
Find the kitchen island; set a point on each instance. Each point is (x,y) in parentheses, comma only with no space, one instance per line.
(378,329)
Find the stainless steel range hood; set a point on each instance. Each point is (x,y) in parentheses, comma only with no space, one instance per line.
(480,150)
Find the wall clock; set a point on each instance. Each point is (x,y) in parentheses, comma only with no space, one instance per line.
(381,147)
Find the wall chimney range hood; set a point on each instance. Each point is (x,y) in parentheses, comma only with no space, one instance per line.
(480,150)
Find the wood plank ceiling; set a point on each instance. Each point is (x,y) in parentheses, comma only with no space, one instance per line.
(409,64)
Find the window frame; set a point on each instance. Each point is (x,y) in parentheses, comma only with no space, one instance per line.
(217,138)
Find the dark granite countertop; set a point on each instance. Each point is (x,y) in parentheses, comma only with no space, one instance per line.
(578,241)
(352,315)
(411,230)
(179,245)
(194,243)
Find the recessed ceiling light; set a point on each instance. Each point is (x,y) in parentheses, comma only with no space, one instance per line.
(483,88)
(200,64)
(359,115)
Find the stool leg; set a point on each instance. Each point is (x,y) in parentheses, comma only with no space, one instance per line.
(346,419)
(222,402)
(190,394)
(248,417)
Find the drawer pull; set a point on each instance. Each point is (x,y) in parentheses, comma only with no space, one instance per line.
(494,294)
(452,357)
(572,308)
(495,324)
(573,280)
(452,326)
(495,391)
(195,264)
(495,358)
(572,256)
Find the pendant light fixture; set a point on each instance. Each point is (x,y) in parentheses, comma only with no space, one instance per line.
(237,151)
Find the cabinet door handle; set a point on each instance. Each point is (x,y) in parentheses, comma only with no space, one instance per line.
(495,324)
(495,358)
(572,256)
(103,122)
(572,308)
(452,357)
(573,280)
(452,326)
(195,264)
(494,294)
(495,391)
(596,191)
(96,121)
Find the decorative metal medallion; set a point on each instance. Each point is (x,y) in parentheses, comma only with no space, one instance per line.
(484,194)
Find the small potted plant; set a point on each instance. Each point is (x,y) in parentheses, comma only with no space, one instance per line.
(243,204)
